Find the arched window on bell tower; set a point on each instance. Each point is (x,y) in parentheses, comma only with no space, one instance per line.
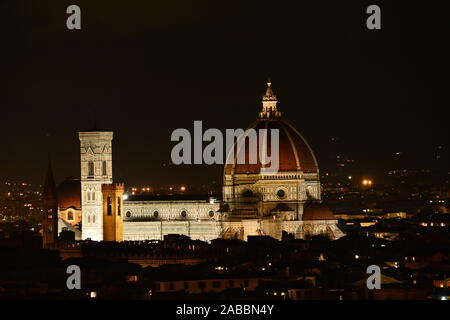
(91,172)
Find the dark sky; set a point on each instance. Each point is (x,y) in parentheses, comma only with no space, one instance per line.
(145,68)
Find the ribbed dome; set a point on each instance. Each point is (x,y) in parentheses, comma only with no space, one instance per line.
(69,193)
(294,152)
(317,211)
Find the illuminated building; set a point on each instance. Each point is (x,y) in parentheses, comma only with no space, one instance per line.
(254,202)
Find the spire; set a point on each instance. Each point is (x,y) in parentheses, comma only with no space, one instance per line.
(49,190)
(269,102)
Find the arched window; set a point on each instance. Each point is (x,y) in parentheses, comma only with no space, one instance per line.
(91,169)
(119,208)
(88,195)
(93,218)
(93,195)
(89,217)
(70,215)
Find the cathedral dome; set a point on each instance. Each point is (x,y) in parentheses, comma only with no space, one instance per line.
(294,152)
(69,194)
(317,211)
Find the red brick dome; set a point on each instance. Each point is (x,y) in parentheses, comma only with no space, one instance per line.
(294,152)
(69,194)
(317,211)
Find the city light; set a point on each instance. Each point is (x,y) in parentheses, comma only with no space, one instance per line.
(367,182)
(183,188)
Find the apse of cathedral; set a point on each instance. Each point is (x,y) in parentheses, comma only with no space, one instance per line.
(254,202)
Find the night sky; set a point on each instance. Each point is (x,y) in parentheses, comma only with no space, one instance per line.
(145,68)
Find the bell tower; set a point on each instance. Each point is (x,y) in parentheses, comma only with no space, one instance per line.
(96,169)
(50,210)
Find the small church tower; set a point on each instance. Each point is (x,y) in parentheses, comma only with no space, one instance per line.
(113,212)
(50,210)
